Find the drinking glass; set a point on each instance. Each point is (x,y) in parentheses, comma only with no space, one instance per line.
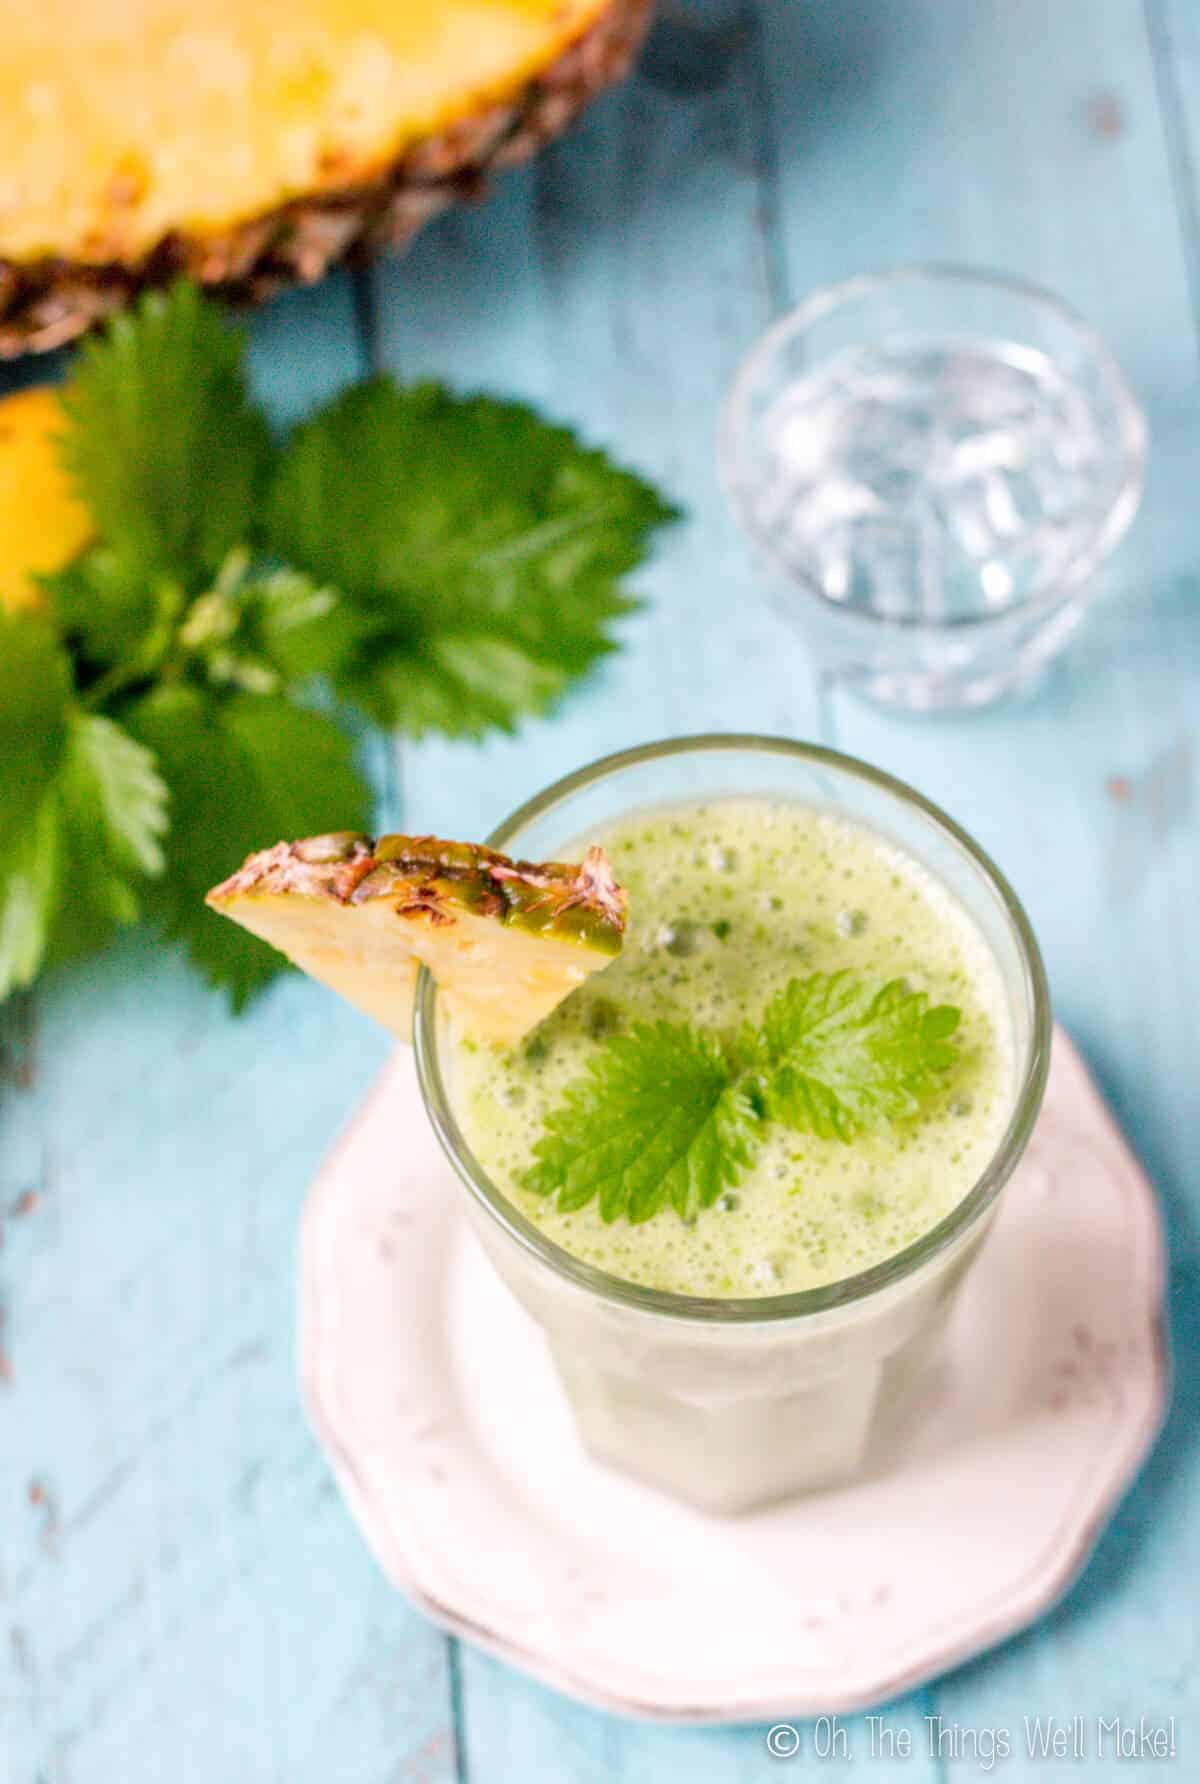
(730,1403)
(935,464)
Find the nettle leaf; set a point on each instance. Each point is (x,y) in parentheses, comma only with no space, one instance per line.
(245,771)
(118,782)
(658,1121)
(850,1054)
(669,1115)
(29,887)
(77,871)
(163,441)
(484,546)
(300,628)
(35,695)
(112,806)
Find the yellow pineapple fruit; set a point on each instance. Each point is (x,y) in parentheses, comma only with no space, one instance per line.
(42,521)
(505,940)
(249,145)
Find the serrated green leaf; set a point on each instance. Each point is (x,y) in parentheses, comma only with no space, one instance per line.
(657,1121)
(28,894)
(304,630)
(244,772)
(461,684)
(846,1055)
(111,808)
(163,442)
(35,694)
(75,874)
(116,781)
(484,546)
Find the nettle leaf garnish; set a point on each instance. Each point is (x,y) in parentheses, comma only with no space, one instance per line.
(661,1118)
(669,1115)
(847,1055)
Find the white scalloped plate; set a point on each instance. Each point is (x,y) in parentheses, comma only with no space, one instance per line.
(434,1398)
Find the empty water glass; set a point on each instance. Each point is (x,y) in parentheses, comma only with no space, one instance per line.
(935,463)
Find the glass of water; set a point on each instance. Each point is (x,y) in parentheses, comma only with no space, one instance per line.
(935,463)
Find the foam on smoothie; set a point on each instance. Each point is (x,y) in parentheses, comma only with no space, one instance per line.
(729,900)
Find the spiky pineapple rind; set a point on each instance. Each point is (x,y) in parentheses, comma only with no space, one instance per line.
(427,878)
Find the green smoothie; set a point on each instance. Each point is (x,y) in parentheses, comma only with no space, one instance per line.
(728,901)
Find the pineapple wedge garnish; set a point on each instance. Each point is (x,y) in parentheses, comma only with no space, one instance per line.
(505,940)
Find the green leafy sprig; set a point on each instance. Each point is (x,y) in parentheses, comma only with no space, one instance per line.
(433,562)
(670,1116)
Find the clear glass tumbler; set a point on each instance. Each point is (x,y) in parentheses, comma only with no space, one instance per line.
(935,464)
(731,1403)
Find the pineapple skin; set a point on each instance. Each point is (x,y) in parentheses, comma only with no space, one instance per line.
(505,940)
(42,521)
(352,205)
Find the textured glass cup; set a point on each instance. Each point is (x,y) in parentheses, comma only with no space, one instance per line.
(935,464)
(731,1403)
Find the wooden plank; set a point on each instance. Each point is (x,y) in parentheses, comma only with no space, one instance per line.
(1087,807)
(1174,32)
(185,1595)
(1031,138)
(175,1557)
(1017,136)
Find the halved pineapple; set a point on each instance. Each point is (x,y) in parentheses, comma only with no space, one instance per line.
(42,521)
(505,940)
(249,145)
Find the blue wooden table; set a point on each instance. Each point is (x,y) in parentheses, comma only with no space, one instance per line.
(183,1596)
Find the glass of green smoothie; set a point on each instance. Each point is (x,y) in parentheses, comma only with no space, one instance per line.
(735,1333)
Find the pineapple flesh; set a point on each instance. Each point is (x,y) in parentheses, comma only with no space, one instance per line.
(250,146)
(42,521)
(505,940)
